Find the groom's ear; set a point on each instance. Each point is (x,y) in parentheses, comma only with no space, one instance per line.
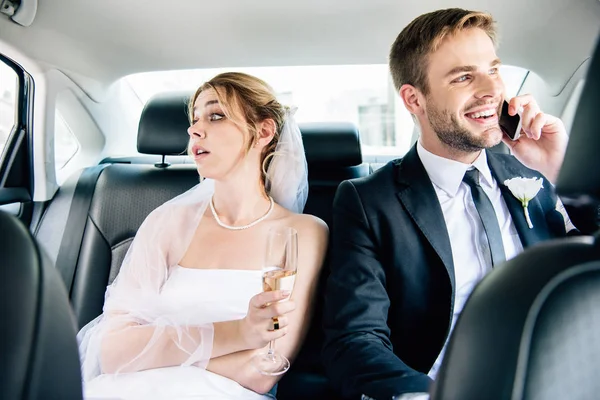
(412,98)
(265,132)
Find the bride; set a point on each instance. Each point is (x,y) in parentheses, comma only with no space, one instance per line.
(186,312)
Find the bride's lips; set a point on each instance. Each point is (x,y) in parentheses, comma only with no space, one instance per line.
(199,152)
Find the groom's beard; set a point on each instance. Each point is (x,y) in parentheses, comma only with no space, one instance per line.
(456,136)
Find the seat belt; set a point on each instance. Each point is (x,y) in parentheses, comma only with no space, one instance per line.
(68,253)
(39,208)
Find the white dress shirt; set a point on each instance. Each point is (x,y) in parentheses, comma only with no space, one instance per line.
(467,236)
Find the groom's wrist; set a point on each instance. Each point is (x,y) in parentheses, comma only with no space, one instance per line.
(551,173)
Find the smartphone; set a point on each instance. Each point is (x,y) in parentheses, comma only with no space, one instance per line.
(510,125)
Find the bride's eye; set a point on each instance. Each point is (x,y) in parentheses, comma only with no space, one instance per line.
(215,117)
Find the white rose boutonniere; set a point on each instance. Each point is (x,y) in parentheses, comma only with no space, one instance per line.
(524,189)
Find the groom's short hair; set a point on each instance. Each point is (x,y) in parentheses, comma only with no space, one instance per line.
(423,36)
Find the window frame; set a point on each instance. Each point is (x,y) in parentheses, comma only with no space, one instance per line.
(16,161)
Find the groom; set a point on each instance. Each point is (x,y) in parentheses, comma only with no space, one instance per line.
(412,240)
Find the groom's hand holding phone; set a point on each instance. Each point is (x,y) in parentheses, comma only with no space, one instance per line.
(510,124)
(257,327)
(542,140)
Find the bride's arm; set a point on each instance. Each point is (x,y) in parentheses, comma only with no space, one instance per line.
(136,347)
(313,237)
(131,347)
(139,331)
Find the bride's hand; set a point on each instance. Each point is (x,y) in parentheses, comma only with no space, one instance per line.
(257,328)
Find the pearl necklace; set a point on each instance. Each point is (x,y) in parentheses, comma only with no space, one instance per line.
(239,228)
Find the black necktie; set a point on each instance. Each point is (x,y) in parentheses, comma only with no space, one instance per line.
(487,215)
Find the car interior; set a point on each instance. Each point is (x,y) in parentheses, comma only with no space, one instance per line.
(93,137)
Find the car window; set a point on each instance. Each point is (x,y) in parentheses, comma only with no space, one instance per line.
(9,91)
(65,142)
(362,94)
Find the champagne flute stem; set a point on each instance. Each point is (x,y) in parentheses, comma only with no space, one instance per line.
(271,351)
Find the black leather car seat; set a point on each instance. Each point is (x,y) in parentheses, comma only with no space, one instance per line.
(38,348)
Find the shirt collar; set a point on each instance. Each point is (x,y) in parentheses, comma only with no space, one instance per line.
(448,174)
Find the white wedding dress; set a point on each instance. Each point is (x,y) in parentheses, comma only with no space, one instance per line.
(218,295)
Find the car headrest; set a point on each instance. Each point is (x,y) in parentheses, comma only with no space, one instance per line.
(331,143)
(164,122)
(163,125)
(39,351)
(513,341)
(579,178)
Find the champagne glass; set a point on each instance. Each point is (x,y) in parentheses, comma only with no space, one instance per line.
(279,273)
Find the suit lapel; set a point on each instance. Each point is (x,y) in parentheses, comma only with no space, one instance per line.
(418,196)
(503,171)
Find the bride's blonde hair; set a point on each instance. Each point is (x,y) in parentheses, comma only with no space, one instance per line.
(254,99)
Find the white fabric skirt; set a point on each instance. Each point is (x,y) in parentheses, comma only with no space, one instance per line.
(168,383)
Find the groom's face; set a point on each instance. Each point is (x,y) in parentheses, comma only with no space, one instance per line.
(465,92)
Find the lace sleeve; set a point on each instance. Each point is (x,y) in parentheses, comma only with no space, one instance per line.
(137,330)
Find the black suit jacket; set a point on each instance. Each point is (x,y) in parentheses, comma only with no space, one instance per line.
(390,295)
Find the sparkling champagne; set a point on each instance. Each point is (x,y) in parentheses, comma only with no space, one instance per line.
(278,279)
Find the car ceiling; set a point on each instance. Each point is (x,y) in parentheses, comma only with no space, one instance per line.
(97,42)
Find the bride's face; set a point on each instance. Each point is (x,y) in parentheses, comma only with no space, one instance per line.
(217,144)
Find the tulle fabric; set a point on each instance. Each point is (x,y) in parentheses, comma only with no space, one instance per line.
(287,176)
(137,330)
(219,294)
